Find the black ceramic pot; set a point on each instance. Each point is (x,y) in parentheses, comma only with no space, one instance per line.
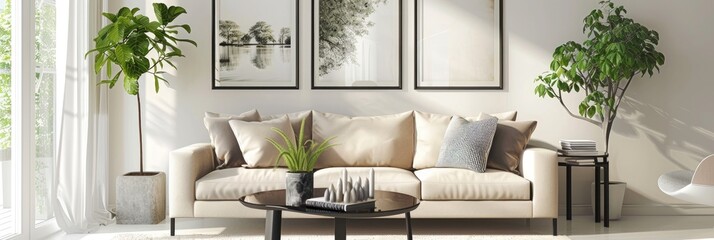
(298,188)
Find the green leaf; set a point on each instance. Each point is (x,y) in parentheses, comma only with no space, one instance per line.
(591,111)
(174,12)
(131,85)
(156,83)
(124,11)
(142,20)
(115,34)
(161,12)
(99,61)
(123,53)
(110,16)
(184,26)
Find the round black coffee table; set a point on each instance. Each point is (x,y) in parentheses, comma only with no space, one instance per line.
(387,204)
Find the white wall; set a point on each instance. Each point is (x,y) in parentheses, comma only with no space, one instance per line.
(665,124)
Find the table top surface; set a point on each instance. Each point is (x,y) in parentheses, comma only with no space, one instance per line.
(598,155)
(387,204)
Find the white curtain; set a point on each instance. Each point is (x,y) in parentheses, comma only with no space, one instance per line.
(81,164)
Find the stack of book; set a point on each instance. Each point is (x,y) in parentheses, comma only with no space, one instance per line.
(578,147)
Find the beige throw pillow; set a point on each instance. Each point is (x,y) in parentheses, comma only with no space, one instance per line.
(379,141)
(509,142)
(228,153)
(430,130)
(252,138)
(295,120)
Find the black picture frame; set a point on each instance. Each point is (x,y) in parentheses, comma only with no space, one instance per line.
(315,48)
(418,56)
(296,80)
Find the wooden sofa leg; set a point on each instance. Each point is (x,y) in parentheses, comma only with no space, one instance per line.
(173,227)
(555,227)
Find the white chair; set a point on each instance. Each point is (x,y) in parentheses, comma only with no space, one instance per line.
(696,187)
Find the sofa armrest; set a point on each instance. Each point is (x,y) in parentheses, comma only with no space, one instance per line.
(186,165)
(540,166)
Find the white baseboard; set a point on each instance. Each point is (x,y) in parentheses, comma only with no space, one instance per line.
(648,210)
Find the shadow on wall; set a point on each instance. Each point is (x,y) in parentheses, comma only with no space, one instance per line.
(680,138)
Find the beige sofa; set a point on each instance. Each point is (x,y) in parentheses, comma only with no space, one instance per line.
(402,154)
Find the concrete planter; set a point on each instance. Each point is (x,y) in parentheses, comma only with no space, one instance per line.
(617,195)
(298,188)
(141,198)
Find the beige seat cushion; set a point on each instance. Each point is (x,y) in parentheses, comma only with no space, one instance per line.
(379,141)
(430,130)
(386,178)
(462,184)
(233,183)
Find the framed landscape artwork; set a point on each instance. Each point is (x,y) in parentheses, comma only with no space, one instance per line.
(458,44)
(255,44)
(356,44)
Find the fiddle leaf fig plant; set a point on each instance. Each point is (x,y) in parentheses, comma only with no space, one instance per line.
(302,156)
(138,46)
(617,50)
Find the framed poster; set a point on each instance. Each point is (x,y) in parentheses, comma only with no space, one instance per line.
(458,44)
(255,44)
(357,45)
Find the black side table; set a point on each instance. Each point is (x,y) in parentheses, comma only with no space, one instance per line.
(600,161)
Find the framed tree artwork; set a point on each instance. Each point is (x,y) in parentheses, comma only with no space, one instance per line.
(458,44)
(255,44)
(357,44)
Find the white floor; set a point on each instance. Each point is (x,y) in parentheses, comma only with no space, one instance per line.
(581,227)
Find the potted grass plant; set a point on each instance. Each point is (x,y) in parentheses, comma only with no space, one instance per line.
(300,158)
(139,47)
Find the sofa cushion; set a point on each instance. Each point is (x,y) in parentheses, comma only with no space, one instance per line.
(228,152)
(508,145)
(467,143)
(463,184)
(252,137)
(386,178)
(295,120)
(380,141)
(233,183)
(430,130)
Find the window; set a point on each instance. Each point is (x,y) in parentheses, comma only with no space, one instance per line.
(27,119)
(44,94)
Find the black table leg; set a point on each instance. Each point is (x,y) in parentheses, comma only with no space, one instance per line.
(607,193)
(340,228)
(273,219)
(409,225)
(568,193)
(597,192)
(555,227)
(173,227)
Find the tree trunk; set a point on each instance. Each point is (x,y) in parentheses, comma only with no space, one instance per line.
(607,129)
(141,142)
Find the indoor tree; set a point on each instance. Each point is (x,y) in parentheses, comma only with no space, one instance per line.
(139,47)
(616,51)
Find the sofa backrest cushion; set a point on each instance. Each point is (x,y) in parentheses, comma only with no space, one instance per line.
(430,130)
(379,141)
(228,153)
(508,145)
(295,120)
(252,137)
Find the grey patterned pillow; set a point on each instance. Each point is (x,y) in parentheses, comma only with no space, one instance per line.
(466,144)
